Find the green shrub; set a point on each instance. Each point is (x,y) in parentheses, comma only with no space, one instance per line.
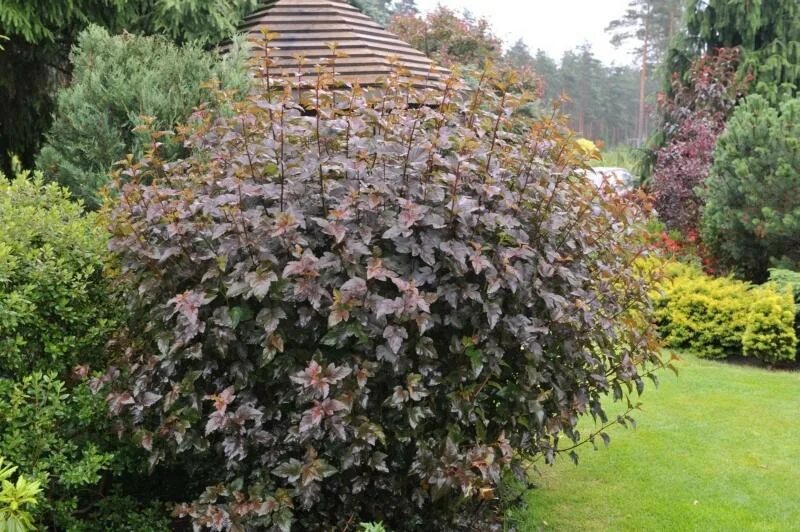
(371,527)
(752,217)
(116,81)
(789,280)
(54,307)
(720,317)
(786,279)
(770,335)
(56,316)
(122,513)
(51,431)
(372,301)
(701,313)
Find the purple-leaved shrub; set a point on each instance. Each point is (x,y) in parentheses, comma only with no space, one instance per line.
(693,117)
(369,305)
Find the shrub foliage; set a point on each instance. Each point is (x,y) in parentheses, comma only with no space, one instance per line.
(54,313)
(17,498)
(750,221)
(705,314)
(769,334)
(721,317)
(56,316)
(361,299)
(693,117)
(117,82)
(789,280)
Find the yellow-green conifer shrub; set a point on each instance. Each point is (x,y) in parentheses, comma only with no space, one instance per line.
(703,314)
(770,334)
(720,317)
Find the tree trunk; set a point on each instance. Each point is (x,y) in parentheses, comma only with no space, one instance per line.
(640,127)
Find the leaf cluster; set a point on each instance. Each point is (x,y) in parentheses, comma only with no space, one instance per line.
(766,32)
(722,317)
(693,116)
(770,334)
(56,315)
(41,33)
(16,500)
(788,280)
(54,312)
(448,37)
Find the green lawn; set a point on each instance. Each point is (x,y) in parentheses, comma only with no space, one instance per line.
(717,448)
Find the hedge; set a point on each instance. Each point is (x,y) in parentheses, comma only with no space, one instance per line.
(721,317)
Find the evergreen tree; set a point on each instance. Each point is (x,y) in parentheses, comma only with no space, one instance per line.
(381,11)
(378,10)
(601,99)
(519,55)
(548,71)
(651,24)
(42,32)
(116,81)
(579,70)
(751,219)
(768,33)
(405,7)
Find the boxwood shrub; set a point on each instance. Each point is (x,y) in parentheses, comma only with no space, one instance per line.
(56,315)
(356,308)
(789,280)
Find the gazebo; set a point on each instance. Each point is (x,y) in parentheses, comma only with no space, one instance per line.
(364,53)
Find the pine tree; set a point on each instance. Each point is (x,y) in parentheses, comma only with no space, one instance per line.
(41,33)
(650,23)
(583,77)
(547,69)
(405,7)
(519,55)
(379,10)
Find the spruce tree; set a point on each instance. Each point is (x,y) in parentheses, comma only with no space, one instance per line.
(767,32)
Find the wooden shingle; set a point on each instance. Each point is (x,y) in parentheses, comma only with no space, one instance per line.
(367,53)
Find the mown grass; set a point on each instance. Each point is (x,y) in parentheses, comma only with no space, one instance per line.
(717,448)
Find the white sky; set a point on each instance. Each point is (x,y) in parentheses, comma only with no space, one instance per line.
(555,26)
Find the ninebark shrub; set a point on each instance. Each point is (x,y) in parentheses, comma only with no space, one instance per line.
(369,305)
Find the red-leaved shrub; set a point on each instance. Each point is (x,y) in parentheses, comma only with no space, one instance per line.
(360,308)
(694,117)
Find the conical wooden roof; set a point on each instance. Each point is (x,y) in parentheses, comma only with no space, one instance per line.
(367,52)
